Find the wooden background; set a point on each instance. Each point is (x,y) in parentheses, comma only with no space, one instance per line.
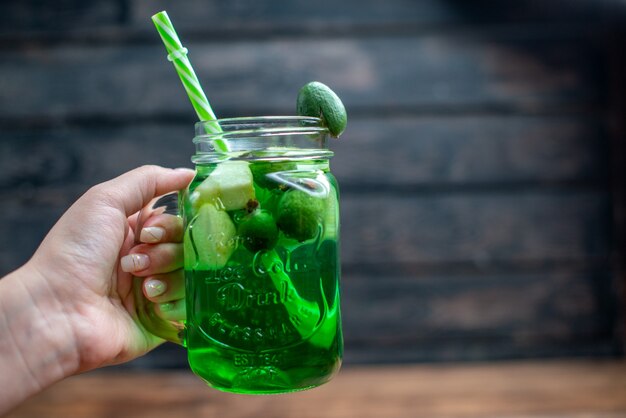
(482,172)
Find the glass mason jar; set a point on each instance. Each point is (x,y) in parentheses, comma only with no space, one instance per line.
(261,265)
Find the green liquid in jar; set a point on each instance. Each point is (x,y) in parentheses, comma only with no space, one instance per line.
(265,320)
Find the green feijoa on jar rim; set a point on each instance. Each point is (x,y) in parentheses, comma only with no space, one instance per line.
(316,99)
(258,231)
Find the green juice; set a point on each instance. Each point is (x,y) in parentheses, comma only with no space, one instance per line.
(262,275)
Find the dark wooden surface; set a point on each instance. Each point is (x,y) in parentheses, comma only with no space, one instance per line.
(481,172)
(532,389)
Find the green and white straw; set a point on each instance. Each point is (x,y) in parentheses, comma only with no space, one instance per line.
(177,54)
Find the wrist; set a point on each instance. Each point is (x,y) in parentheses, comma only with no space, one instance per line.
(37,347)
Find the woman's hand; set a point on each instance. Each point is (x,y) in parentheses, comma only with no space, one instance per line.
(70,308)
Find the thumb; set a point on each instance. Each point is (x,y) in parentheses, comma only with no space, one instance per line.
(133,190)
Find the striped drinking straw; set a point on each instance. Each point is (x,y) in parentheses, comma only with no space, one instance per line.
(177,54)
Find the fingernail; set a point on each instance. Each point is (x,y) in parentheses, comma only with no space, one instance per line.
(154,288)
(151,234)
(134,262)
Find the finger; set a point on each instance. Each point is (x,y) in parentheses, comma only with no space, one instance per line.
(132,220)
(167,287)
(124,282)
(133,190)
(172,311)
(162,228)
(148,259)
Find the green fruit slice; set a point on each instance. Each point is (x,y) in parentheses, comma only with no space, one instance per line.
(318,100)
(331,215)
(229,186)
(258,231)
(210,239)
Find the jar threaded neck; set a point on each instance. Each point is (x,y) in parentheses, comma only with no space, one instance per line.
(262,138)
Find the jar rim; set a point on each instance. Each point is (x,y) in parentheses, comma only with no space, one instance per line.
(261,137)
(275,125)
(272,119)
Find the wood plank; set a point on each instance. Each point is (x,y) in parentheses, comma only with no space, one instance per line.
(617,113)
(475,349)
(196,13)
(468,151)
(23,234)
(72,16)
(478,229)
(559,304)
(478,317)
(86,155)
(516,389)
(374,75)
(28,16)
(428,153)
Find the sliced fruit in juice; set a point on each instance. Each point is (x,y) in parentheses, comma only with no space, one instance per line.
(211,239)
(330,222)
(229,186)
